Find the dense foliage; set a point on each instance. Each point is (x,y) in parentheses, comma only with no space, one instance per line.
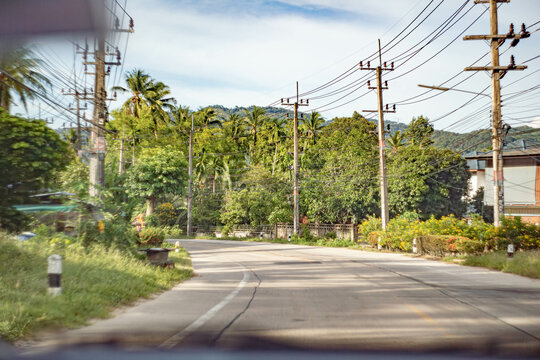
(30,153)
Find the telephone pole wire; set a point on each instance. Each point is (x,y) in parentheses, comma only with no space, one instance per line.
(497,72)
(381,132)
(296,194)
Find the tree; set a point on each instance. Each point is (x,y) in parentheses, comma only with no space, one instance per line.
(139,84)
(30,153)
(311,126)
(427,180)
(340,181)
(419,132)
(19,70)
(262,199)
(159,102)
(396,141)
(158,172)
(254,120)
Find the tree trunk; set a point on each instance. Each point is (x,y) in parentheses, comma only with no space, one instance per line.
(150,205)
(275,159)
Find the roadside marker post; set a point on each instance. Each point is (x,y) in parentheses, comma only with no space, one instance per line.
(55,274)
(510,251)
(177,246)
(414,248)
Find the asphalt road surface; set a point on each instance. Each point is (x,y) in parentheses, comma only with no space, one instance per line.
(259,294)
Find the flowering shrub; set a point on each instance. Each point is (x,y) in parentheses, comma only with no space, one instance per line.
(151,237)
(514,231)
(449,234)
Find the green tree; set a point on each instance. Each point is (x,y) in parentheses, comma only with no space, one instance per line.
(339,181)
(158,172)
(396,141)
(30,154)
(159,103)
(138,84)
(19,70)
(261,199)
(427,180)
(419,132)
(254,120)
(311,126)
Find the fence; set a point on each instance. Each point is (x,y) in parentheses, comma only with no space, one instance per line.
(281,230)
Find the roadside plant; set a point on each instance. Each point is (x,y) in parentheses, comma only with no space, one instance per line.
(151,237)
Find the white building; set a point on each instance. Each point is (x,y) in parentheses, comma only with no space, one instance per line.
(521,170)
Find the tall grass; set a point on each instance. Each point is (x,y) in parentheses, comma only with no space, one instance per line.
(94,281)
(526,263)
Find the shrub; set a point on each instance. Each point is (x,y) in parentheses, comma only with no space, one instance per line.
(151,237)
(166,214)
(330,235)
(368,226)
(514,231)
(441,245)
(172,232)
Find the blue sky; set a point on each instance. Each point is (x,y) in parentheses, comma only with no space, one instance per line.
(240,53)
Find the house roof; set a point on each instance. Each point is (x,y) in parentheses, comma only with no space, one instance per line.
(519,148)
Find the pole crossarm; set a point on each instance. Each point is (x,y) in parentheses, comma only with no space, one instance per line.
(496,37)
(495,68)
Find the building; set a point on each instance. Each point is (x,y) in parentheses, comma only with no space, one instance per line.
(521,168)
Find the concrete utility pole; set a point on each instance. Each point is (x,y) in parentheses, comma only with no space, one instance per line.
(76,93)
(296,193)
(497,72)
(381,132)
(190,174)
(97,154)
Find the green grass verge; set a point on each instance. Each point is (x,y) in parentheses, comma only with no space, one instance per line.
(94,282)
(526,263)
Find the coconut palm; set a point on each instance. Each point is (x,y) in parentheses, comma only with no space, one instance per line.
(234,127)
(159,102)
(396,141)
(277,131)
(311,126)
(139,84)
(254,120)
(208,117)
(20,74)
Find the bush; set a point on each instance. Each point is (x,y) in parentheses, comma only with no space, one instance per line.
(151,237)
(172,232)
(166,214)
(368,226)
(514,231)
(441,245)
(330,235)
(116,233)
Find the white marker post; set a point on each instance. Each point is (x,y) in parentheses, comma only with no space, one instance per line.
(414,248)
(177,246)
(289,237)
(510,251)
(55,274)
(379,246)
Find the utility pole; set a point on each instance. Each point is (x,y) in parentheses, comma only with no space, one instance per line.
(190,174)
(381,132)
(296,194)
(98,147)
(75,92)
(497,72)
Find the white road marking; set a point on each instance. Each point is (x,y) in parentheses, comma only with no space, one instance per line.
(176,338)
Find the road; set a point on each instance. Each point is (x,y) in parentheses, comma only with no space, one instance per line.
(261,293)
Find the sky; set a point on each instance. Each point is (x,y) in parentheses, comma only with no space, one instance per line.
(242,53)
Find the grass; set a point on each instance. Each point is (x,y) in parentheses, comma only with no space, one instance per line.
(526,263)
(94,282)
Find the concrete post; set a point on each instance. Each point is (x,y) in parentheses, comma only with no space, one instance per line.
(55,274)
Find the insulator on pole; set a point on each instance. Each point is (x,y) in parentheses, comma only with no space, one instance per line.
(368,83)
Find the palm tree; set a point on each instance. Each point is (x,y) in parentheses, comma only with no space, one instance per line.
(396,141)
(158,101)
(181,116)
(254,120)
(312,125)
(278,130)
(208,117)
(234,128)
(139,84)
(19,70)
